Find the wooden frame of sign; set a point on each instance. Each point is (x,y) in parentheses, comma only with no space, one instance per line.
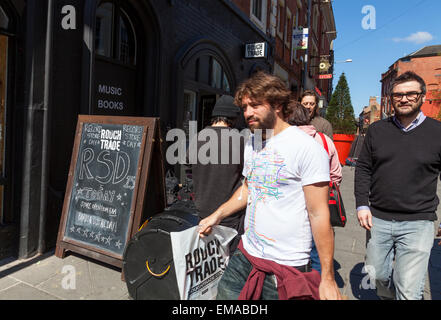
(108,196)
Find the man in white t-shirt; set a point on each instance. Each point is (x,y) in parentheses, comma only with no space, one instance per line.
(285,192)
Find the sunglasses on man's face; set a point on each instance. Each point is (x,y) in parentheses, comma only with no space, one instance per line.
(305,104)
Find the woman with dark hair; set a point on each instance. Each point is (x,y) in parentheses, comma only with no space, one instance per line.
(299,116)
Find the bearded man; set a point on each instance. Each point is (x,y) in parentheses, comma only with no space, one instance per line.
(285,193)
(395,191)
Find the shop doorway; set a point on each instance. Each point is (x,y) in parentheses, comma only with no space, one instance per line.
(116,76)
(205,110)
(8,217)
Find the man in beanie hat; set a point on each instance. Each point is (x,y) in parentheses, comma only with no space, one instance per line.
(216,181)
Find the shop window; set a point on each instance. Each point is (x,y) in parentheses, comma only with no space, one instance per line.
(219,79)
(4,20)
(216,74)
(116,77)
(114,34)
(103,30)
(226,84)
(189,109)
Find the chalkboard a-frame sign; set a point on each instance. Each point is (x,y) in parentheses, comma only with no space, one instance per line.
(116,172)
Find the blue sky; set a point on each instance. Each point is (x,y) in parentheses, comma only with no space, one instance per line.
(401,27)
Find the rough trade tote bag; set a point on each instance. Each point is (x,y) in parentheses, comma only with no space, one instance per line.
(200,263)
(336,207)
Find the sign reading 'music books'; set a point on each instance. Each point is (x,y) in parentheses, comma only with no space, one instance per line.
(300,38)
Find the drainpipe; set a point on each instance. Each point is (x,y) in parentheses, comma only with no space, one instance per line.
(34,183)
(46,129)
(305,62)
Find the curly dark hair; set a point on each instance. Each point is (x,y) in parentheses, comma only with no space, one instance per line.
(299,115)
(406,77)
(265,87)
(312,93)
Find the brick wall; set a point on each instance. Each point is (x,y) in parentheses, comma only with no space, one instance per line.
(243,5)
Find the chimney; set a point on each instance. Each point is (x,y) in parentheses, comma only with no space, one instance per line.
(373,101)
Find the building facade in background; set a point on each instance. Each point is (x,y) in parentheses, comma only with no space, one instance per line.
(279,20)
(425,62)
(370,114)
(169,59)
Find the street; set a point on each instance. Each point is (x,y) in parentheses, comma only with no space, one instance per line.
(44,277)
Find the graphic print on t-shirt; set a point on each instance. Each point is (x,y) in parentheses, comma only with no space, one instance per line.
(265,176)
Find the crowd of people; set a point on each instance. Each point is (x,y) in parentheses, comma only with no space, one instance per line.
(277,196)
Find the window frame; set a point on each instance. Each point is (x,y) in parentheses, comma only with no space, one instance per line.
(288,26)
(281,19)
(260,23)
(223,76)
(118,15)
(295,26)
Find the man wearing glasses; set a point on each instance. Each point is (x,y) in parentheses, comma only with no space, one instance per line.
(310,100)
(395,192)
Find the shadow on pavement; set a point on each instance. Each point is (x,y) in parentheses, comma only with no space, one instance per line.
(435,270)
(18,265)
(362,288)
(338,279)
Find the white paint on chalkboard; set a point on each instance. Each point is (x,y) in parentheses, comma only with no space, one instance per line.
(91,194)
(92,127)
(108,239)
(95,221)
(130,183)
(116,165)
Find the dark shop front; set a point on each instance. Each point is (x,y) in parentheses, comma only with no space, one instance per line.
(61,58)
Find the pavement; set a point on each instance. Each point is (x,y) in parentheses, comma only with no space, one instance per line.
(46,277)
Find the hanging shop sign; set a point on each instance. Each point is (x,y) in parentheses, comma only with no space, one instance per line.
(256,50)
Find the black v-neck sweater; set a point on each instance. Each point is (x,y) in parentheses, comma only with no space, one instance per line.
(396,173)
